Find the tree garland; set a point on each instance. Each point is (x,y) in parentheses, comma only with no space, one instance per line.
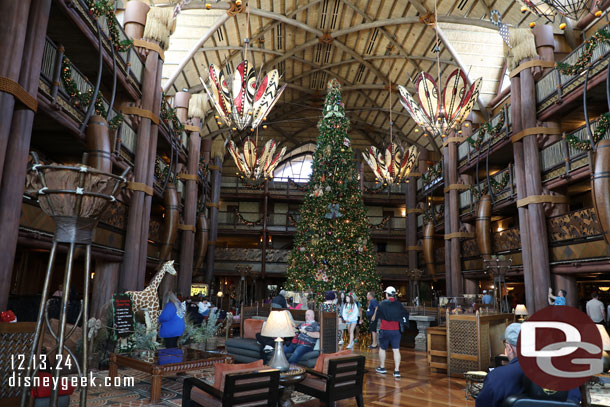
(602,128)
(498,186)
(602,36)
(168,115)
(297,186)
(488,128)
(377,189)
(432,173)
(83,100)
(105,8)
(380,225)
(245,221)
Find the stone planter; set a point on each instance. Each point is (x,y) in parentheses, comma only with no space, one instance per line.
(210,344)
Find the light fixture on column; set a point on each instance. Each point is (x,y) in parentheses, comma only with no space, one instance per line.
(395,164)
(245,99)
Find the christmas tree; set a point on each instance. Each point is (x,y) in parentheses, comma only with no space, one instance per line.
(332,247)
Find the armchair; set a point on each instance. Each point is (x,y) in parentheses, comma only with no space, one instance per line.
(250,388)
(344,380)
(536,396)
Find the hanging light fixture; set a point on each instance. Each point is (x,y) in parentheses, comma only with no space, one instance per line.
(395,165)
(541,8)
(573,9)
(439,113)
(246,102)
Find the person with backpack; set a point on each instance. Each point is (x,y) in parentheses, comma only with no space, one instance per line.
(393,319)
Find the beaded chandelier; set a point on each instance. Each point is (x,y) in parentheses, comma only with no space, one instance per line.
(573,9)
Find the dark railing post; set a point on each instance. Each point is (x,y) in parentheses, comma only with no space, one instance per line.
(57,72)
(566,147)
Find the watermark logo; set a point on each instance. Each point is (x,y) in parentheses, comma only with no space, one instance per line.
(559,348)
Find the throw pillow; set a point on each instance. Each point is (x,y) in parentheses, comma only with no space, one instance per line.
(252,327)
(322,362)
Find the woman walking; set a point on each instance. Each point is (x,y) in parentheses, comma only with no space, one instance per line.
(350,314)
(172,320)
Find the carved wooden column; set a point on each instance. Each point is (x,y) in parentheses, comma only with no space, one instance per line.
(18,146)
(449,283)
(452,223)
(411,221)
(264,242)
(216,180)
(13,27)
(150,174)
(105,283)
(187,247)
(519,168)
(131,276)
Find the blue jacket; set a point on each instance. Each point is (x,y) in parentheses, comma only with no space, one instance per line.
(373,304)
(507,381)
(172,325)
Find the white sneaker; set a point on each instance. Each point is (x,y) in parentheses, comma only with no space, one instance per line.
(268,348)
(350,346)
(341,342)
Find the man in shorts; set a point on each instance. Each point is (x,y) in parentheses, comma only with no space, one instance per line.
(391,315)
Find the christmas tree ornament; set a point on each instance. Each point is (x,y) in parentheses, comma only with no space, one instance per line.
(333,211)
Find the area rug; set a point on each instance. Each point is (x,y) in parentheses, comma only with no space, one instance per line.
(139,393)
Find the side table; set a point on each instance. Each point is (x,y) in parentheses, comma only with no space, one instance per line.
(287,381)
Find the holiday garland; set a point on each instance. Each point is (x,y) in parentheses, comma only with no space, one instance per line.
(169,117)
(377,189)
(602,128)
(105,8)
(433,173)
(380,225)
(602,36)
(246,221)
(488,128)
(297,186)
(83,100)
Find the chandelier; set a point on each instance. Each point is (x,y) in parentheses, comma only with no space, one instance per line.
(395,164)
(252,165)
(439,113)
(573,9)
(243,100)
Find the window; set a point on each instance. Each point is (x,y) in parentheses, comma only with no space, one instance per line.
(296,165)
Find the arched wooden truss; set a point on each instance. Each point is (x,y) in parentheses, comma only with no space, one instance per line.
(366,45)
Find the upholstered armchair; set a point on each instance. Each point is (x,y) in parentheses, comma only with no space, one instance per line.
(254,387)
(342,379)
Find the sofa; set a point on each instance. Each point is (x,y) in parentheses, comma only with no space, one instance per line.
(245,349)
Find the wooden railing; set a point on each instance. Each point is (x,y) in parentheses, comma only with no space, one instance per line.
(502,184)
(466,152)
(555,85)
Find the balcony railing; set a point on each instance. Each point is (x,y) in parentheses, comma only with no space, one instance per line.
(128,62)
(555,85)
(503,189)
(561,158)
(466,152)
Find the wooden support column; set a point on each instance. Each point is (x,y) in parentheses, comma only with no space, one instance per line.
(131,276)
(537,219)
(150,177)
(471,286)
(105,284)
(519,168)
(411,229)
(216,180)
(264,246)
(187,246)
(450,285)
(13,27)
(457,283)
(18,146)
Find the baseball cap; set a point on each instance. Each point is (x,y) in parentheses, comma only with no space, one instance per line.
(390,290)
(283,293)
(484,291)
(511,334)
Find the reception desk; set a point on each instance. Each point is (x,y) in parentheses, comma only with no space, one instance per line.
(473,340)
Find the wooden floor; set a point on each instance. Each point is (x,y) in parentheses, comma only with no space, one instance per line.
(418,386)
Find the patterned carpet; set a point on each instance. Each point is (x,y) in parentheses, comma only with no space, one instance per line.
(139,394)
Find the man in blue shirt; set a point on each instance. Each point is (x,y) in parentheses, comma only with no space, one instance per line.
(371,314)
(487,298)
(559,299)
(506,381)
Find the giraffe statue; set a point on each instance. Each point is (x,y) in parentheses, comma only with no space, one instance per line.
(149,298)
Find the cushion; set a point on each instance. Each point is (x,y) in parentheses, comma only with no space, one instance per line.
(252,327)
(222,369)
(42,391)
(322,363)
(240,343)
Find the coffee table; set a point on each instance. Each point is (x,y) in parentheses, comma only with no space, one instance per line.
(165,362)
(287,381)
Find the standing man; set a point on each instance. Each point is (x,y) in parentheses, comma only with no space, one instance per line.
(487,298)
(595,309)
(391,315)
(371,313)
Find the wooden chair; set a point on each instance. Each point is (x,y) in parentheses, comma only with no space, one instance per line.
(252,388)
(344,380)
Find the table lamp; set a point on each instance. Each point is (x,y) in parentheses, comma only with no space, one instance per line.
(279,325)
(605,346)
(521,311)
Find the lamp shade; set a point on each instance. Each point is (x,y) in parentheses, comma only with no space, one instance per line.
(521,310)
(278,325)
(605,337)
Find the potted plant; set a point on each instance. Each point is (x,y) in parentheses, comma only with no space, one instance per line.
(209,328)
